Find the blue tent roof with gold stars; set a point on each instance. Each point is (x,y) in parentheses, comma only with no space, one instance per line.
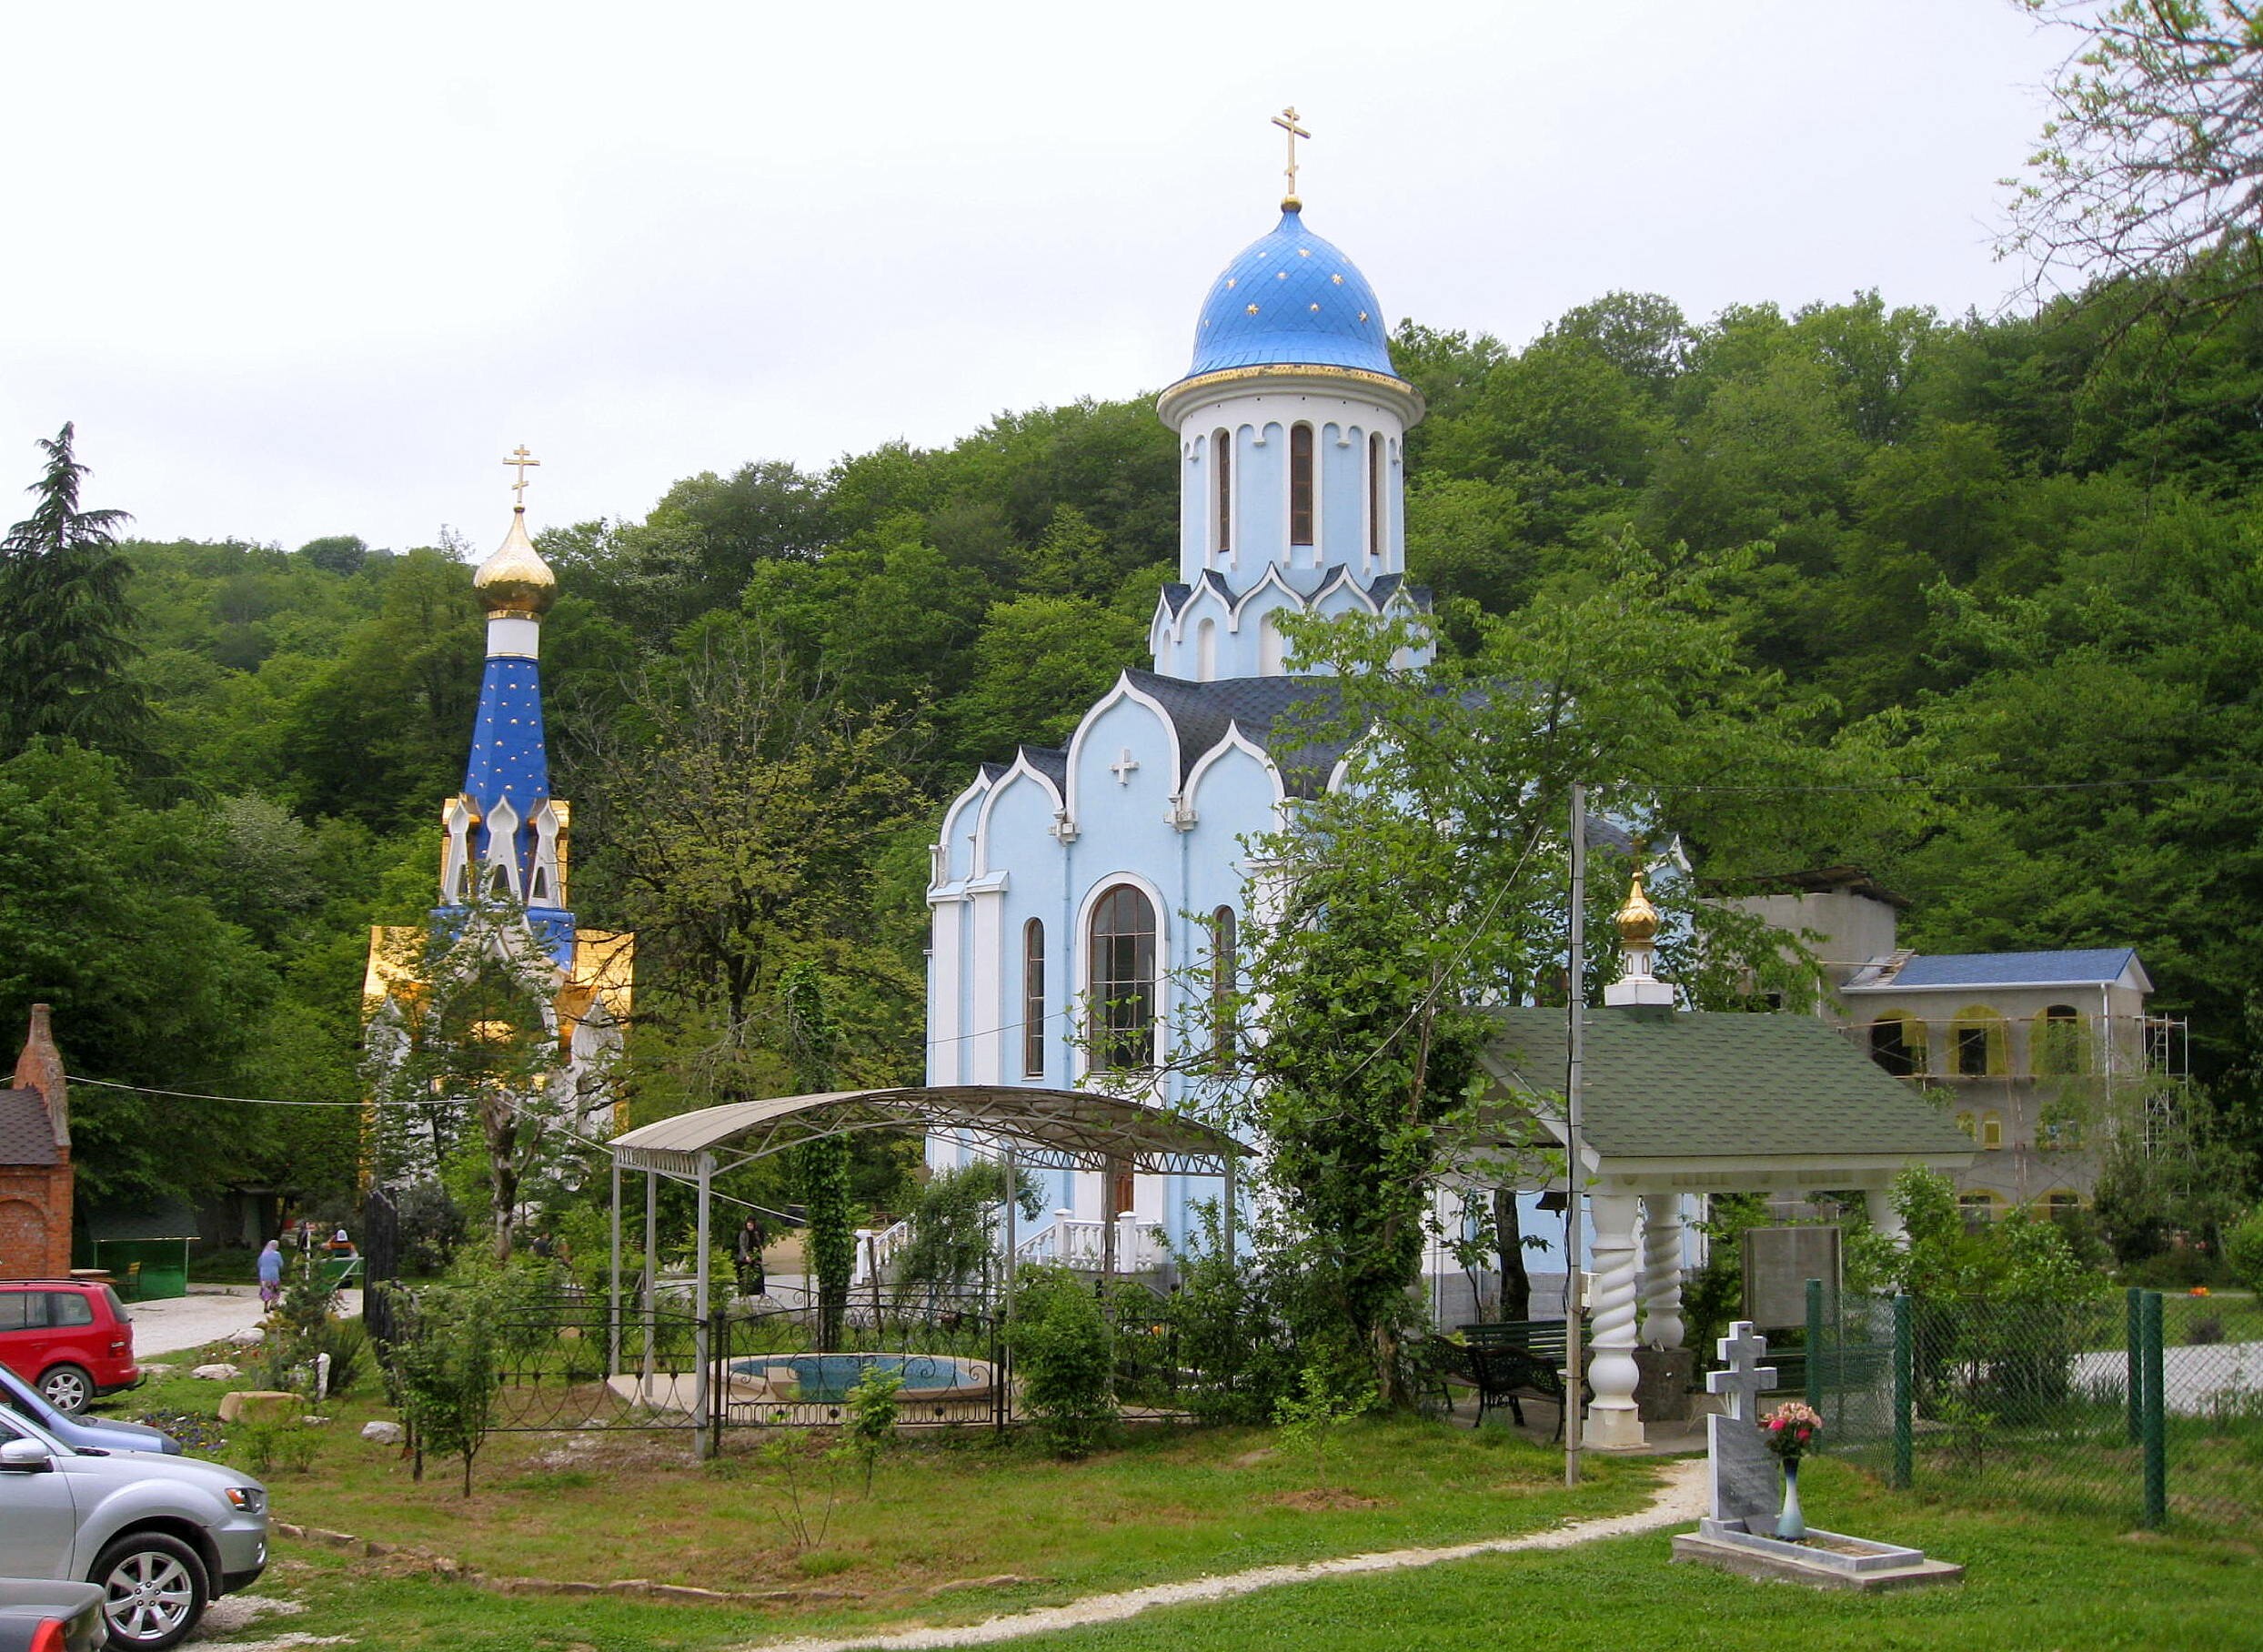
(508,758)
(1291,299)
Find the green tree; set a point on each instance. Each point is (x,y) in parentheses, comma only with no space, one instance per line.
(100,915)
(2148,163)
(1037,665)
(1430,883)
(822,1164)
(65,622)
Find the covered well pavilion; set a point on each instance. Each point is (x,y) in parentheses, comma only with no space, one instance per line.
(1025,1127)
(1677,1102)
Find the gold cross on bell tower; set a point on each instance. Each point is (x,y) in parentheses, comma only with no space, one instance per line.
(521,458)
(1286,121)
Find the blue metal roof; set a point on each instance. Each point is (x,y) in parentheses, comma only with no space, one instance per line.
(2079,968)
(1291,299)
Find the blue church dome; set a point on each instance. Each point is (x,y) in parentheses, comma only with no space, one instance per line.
(1291,299)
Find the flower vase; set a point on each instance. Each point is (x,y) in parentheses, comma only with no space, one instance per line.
(1791,1525)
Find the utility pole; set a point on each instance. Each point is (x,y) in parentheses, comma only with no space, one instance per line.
(1575,1009)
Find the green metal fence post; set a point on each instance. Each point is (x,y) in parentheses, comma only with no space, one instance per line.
(1814,1343)
(1904,1395)
(2136,1381)
(2156,1420)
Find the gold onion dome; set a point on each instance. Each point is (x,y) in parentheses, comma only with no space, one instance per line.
(1638,919)
(516,580)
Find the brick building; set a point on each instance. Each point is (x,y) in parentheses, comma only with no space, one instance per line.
(36,1161)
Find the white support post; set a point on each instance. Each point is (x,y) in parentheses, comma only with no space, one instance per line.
(1879,1203)
(651,1276)
(699,1331)
(1662,1270)
(612,1317)
(1612,1422)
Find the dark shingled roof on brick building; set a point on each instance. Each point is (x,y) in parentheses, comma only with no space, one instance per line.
(1662,1084)
(27,1132)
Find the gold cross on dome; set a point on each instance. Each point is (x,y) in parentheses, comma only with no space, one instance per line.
(521,458)
(1286,121)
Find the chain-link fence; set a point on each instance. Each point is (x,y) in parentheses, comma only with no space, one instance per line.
(2137,1409)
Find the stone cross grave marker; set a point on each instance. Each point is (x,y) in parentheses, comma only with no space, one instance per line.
(1747,1379)
(1741,1472)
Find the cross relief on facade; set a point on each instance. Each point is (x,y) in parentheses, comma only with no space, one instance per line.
(1121,768)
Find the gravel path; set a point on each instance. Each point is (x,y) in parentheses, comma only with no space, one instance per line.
(1680,1499)
(205,1314)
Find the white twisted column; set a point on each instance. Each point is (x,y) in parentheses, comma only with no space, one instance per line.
(1662,1270)
(1613,1421)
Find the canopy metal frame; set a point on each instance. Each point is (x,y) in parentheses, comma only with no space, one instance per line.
(1025,1127)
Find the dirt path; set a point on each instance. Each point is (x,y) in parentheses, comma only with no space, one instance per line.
(1680,1499)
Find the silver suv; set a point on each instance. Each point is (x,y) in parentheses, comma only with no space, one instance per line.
(163,1537)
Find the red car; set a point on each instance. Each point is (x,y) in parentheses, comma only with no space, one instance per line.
(71,1341)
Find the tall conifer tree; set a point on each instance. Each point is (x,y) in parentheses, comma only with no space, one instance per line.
(64,620)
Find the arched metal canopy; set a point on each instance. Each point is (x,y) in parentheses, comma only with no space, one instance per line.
(1047,1129)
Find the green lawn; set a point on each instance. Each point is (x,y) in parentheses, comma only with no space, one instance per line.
(2032,1584)
(1167,1504)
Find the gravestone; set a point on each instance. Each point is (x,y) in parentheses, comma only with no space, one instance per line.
(1741,1478)
(1744,1483)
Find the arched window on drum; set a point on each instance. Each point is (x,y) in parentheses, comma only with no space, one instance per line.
(1121,982)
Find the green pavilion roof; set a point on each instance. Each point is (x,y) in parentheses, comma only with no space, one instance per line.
(1701,1084)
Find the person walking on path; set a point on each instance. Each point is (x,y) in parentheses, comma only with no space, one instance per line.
(748,1255)
(271,1275)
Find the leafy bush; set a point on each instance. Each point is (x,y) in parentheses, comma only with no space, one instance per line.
(870,1431)
(1065,1353)
(447,1365)
(1311,1418)
(2243,1250)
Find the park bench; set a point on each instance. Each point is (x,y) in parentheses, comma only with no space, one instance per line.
(1505,1361)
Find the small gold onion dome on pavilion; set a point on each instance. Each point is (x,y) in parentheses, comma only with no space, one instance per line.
(516,580)
(1638,919)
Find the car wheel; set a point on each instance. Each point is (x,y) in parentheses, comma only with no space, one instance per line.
(67,1389)
(155,1588)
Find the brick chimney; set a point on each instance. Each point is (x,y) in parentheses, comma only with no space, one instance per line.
(40,1068)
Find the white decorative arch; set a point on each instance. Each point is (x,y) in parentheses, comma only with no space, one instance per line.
(1272,579)
(939,872)
(1234,741)
(503,847)
(1021,769)
(1123,690)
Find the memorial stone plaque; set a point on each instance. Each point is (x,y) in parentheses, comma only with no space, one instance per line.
(1778,1263)
(1743,1475)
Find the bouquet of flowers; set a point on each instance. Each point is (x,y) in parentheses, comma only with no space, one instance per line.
(1791,1428)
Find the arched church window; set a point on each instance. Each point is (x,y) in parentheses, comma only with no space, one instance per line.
(1206,650)
(1374,496)
(1300,485)
(1222,461)
(1033,998)
(538,890)
(1122,981)
(1225,970)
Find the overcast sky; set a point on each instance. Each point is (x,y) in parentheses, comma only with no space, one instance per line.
(301,270)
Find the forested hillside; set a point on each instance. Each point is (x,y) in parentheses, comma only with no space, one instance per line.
(2028,546)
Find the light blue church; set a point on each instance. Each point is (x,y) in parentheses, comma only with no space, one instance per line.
(1111,872)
